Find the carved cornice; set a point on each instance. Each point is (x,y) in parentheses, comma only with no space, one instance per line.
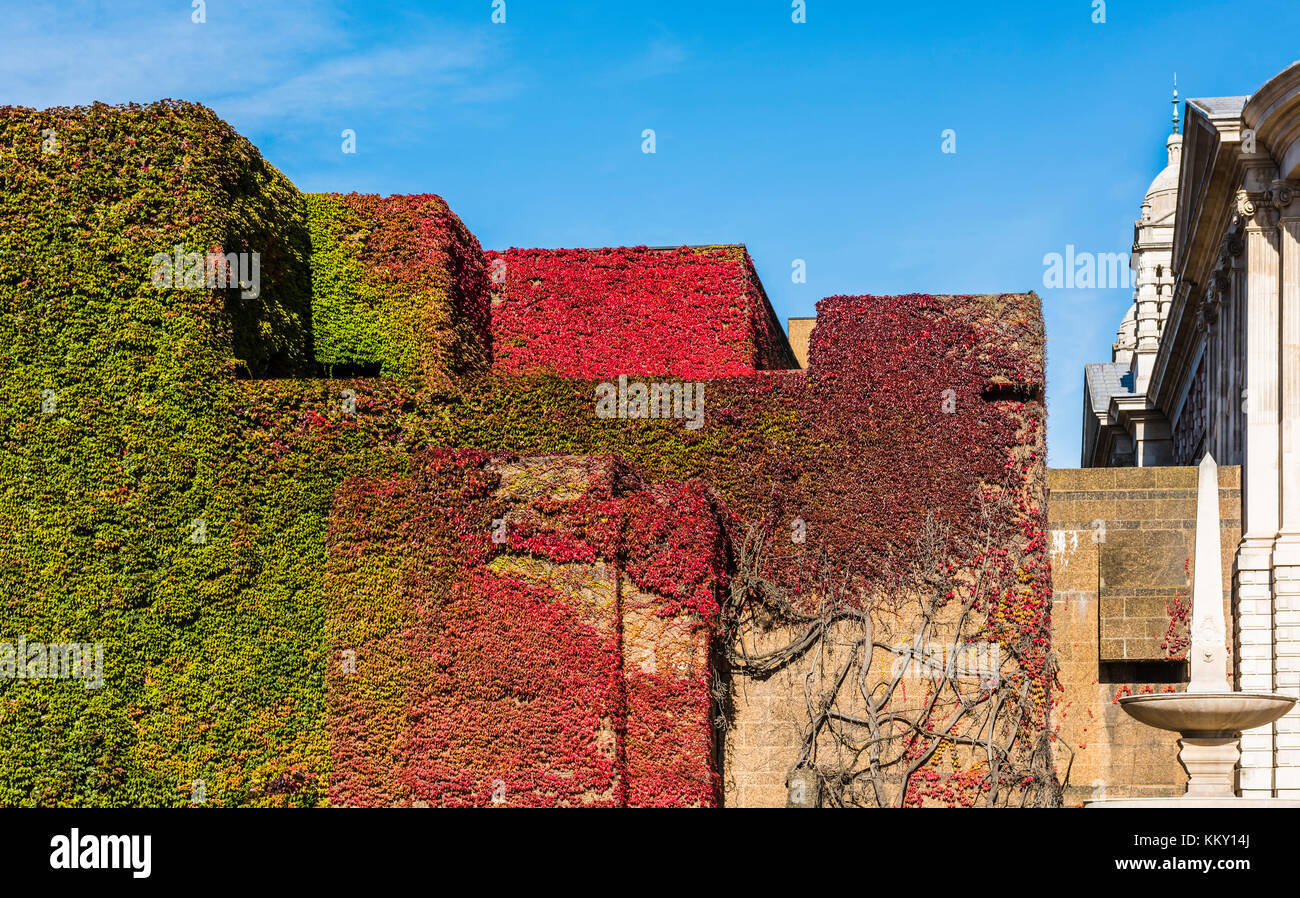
(1232,244)
(1208,311)
(1185,289)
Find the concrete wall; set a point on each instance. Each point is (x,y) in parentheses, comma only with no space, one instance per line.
(1122,547)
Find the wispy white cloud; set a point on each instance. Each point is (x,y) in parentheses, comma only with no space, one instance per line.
(439,68)
(251,62)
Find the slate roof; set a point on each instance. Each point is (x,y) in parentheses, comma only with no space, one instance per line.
(1106,379)
(1216,107)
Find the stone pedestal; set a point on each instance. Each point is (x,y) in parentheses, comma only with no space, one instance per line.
(1209,761)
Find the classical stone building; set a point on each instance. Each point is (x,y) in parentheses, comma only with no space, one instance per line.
(1208,360)
(1120,427)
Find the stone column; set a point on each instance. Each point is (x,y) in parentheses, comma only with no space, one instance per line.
(1286,550)
(1236,247)
(1213,363)
(1207,334)
(1223,400)
(1260,475)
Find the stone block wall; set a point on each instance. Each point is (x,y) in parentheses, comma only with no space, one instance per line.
(766,735)
(799,331)
(1123,541)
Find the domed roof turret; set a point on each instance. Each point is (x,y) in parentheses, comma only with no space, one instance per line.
(1168,177)
(1162,195)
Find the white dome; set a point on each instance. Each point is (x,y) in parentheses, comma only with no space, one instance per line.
(1162,195)
(1166,180)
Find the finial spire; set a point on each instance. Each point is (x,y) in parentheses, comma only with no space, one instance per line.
(1175,102)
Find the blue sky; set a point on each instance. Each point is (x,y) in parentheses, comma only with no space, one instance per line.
(818,141)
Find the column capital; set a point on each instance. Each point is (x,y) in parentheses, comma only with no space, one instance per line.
(1285,195)
(1221,280)
(1257,210)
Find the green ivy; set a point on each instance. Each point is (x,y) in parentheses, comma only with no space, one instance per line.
(350,324)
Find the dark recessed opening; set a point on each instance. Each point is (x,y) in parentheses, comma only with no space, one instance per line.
(1012,393)
(1143,672)
(273,367)
(349,370)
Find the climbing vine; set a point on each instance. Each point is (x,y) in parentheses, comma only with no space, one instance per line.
(357,513)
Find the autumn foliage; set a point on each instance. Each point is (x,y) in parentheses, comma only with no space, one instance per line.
(595,313)
(441,578)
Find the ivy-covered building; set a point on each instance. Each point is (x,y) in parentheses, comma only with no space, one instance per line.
(358,533)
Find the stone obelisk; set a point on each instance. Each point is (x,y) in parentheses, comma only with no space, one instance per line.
(1208,651)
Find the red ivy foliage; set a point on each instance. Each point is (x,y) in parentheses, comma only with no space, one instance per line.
(478,683)
(863,448)
(911,404)
(686,312)
(1177,637)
